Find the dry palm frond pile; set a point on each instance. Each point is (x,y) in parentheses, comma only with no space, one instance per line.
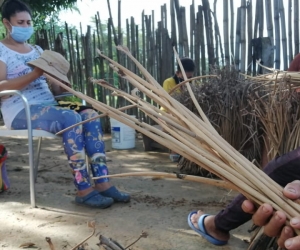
(278,110)
(225,102)
(189,135)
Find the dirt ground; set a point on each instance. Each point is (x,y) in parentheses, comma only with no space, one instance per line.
(158,207)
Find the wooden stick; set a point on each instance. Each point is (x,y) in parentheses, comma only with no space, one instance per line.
(161,175)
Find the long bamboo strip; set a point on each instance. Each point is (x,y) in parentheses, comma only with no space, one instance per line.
(195,138)
(162,175)
(163,142)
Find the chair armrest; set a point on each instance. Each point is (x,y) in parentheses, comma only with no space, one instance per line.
(26,107)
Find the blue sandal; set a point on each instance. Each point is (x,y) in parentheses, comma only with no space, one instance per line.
(94,199)
(114,193)
(202,231)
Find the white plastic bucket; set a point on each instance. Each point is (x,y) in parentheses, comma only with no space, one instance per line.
(122,136)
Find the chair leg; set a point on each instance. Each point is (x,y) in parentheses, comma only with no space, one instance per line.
(31,169)
(37,159)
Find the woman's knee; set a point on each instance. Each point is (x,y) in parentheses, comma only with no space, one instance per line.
(88,113)
(72,117)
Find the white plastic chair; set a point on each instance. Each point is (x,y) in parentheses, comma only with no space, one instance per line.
(28,133)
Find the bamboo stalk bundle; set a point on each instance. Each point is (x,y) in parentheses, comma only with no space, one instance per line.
(189,135)
(225,101)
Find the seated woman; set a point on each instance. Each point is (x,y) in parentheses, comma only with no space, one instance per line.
(16,74)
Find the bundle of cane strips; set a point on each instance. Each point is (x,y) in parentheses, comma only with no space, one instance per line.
(188,135)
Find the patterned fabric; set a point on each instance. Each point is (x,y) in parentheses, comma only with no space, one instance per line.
(77,106)
(4,181)
(78,141)
(36,92)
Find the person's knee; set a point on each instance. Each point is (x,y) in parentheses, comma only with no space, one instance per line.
(72,117)
(88,113)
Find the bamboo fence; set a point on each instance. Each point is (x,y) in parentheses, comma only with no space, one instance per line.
(241,43)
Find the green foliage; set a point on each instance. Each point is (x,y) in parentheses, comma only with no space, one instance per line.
(49,6)
(44,10)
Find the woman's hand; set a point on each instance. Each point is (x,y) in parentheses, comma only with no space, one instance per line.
(37,72)
(274,222)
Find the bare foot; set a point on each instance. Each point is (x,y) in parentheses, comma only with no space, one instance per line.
(209,224)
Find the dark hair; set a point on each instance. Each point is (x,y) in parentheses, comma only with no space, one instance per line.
(187,63)
(12,7)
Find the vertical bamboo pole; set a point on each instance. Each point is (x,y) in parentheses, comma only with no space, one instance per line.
(277,34)
(249,36)
(290,31)
(142,114)
(101,91)
(173,25)
(192,30)
(243,36)
(261,18)
(209,32)
(226,31)
(133,42)
(269,20)
(216,34)
(112,24)
(74,73)
(89,63)
(231,31)
(296,26)
(179,25)
(110,98)
(69,49)
(197,44)
(202,40)
(218,37)
(137,45)
(256,20)
(143,39)
(164,15)
(283,36)
(238,39)
(153,70)
(185,40)
(121,58)
(79,65)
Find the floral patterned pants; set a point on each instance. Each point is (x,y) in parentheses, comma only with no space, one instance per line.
(78,141)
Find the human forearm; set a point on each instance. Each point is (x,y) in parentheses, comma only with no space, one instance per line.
(20,82)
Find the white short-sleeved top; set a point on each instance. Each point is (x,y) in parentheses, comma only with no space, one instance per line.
(37,92)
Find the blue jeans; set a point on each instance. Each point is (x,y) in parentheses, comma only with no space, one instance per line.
(78,141)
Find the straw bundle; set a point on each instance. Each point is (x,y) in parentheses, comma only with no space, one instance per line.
(277,108)
(225,101)
(189,135)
